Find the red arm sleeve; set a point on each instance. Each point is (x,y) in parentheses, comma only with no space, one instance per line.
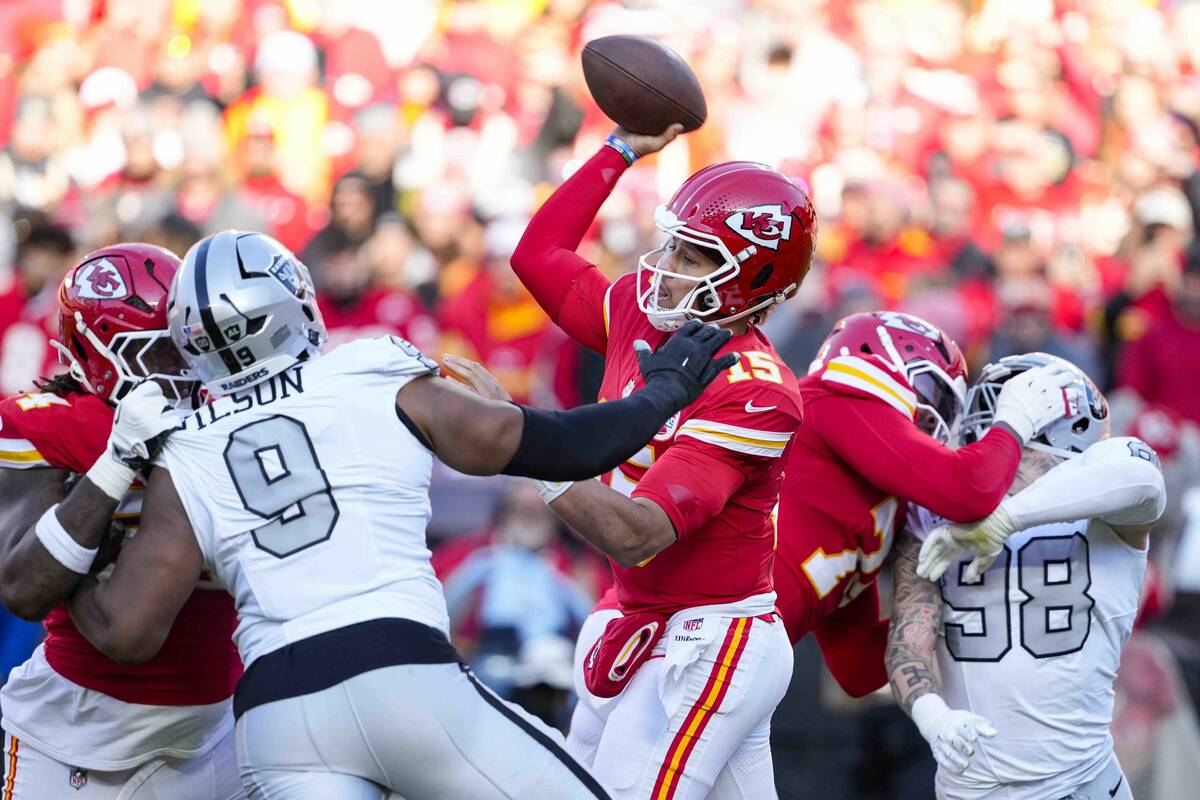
(692,483)
(894,454)
(853,642)
(565,285)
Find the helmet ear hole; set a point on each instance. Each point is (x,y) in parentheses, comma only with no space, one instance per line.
(762,277)
(865,348)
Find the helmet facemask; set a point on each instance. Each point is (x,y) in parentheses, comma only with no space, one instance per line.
(702,301)
(1064,438)
(135,356)
(940,398)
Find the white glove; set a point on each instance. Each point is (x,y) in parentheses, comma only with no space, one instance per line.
(143,422)
(950,732)
(1036,397)
(949,544)
(552,490)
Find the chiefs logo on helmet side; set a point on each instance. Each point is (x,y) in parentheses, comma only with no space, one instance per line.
(100,280)
(764,225)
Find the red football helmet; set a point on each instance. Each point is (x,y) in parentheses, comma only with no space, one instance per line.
(761,224)
(923,353)
(113,322)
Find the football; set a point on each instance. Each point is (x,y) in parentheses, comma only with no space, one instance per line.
(642,85)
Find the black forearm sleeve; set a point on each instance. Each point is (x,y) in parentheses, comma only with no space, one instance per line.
(589,440)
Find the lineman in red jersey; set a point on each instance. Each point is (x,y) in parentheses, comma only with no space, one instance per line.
(78,725)
(880,401)
(686,715)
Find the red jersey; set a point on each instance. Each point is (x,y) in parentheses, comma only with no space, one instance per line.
(716,467)
(855,462)
(198,663)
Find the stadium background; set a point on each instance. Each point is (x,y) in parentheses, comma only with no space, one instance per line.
(1025,174)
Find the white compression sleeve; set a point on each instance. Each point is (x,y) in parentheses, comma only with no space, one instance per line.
(1116,480)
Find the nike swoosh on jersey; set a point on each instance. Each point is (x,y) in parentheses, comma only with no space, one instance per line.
(1113,791)
(751,408)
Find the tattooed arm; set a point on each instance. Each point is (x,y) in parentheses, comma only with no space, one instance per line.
(916,621)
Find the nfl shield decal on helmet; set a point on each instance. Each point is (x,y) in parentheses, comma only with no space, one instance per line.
(78,778)
(763,225)
(100,280)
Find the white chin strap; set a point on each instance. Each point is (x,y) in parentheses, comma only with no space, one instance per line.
(74,369)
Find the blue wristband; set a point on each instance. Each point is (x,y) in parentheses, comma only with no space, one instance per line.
(621,147)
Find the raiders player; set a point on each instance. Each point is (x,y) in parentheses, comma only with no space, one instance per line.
(1036,602)
(304,489)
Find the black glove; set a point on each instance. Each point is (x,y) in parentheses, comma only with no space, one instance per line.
(677,372)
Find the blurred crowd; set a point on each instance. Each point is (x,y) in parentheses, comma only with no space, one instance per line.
(1024,174)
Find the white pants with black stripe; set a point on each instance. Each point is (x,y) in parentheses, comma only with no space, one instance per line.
(419,730)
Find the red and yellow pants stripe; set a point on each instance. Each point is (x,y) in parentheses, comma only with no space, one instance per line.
(702,711)
(10,767)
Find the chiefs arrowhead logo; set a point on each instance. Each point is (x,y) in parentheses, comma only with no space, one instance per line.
(100,280)
(907,322)
(763,225)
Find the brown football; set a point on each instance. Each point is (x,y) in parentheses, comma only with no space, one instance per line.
(642,85)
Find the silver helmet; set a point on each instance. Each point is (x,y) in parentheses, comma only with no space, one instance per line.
(242,309)
(1067,436)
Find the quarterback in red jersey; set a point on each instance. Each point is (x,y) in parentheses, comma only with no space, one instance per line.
(880,402)
(678,689)
(78,725)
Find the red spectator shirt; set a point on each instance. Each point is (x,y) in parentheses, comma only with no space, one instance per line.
(198,663)
(510,335)
(854,463)
(379,312)
(716,467)
(1163,364)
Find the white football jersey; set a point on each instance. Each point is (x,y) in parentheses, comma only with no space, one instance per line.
(1034,647)
(309,497)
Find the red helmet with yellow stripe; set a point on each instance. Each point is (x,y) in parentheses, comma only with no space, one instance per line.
(923,353)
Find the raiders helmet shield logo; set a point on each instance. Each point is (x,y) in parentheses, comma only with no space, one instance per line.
(766,226)
(285,272)
(100,280)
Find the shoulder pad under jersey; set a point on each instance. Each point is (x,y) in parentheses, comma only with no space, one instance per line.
(869,376)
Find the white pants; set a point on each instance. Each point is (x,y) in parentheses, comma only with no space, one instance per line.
(703,732)
(419,730)
(32,775)
(1110,784)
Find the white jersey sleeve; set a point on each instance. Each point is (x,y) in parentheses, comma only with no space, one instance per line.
(1116,480)
(308,495)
